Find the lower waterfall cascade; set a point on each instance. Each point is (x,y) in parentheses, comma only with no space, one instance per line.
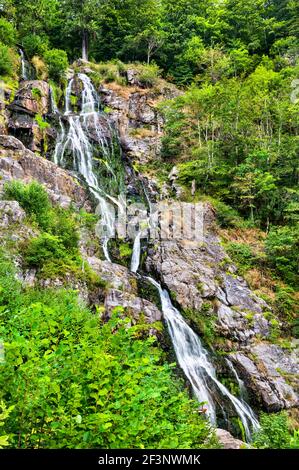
(192,357)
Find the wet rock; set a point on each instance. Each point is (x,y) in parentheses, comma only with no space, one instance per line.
(271,374)
(227,441)
(32,98)
(118,277)
(17,162)
(134,306)
(99,130)
(11,213)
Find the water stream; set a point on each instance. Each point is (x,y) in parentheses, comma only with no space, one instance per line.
(75,140)
(194,360)
(24,65)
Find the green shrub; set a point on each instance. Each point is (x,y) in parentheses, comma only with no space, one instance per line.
(274,432)
(282,248)
(35,45)
(242,255)
(8,33)
(149,75)
(45,247)
(77,383)
(226,215)
(41,123)
(64,225)
(6,60)
(33,198)
(57,63)
(4,413)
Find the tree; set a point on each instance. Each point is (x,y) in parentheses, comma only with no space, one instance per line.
(83,17)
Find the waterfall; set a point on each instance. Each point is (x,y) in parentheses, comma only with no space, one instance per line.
(194,360)
(76,140)
(240,382)
(54,108)
(24,66)
(136,253)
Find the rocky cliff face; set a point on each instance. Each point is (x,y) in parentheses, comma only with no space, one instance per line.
(200,276)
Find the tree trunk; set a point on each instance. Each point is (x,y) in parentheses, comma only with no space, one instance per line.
(85,45)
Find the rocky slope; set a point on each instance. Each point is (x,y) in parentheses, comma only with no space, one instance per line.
(200,276)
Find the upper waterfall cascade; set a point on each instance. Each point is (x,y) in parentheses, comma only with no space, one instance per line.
(75,139)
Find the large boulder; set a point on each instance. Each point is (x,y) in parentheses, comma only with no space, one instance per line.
(17,162)
(32,99)
(10,213)
(271,374)
(134,306)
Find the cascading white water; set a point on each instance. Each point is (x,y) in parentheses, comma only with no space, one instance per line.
(24,72)
(77,142)
(194,360)
(136,253)
(135,261)
(54,108)
(240,382)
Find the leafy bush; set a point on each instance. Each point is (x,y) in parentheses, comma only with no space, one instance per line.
(274,433)
(35,45)
(282,248)
(4,413)
(8,33)
(78,383)
(41,123)
(148,75)
(6,60)
(57,63)
(242,255)
(64,225)
(226,215)
(44,248)
(33,198)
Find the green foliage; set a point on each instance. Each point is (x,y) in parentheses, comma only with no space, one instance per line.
(33,198)
(44,248)
(4,413)
(77,383)
(35,44)
(275,433)
(41,123)
(204,321)
(282,245)
(226,215)
(125,250)
(149,75)
(57,62)
(8,33)
(242,254)
(6,60)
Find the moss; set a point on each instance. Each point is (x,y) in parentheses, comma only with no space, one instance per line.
(204,322)
(149,292)
(36,93)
